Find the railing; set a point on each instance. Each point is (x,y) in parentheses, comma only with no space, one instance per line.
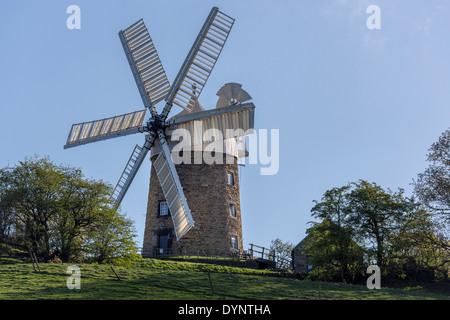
(269,255)
(255,252)
(266,254)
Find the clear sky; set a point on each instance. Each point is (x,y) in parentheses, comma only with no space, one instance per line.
(350,103)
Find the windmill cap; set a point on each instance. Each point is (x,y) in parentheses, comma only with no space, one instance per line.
(231,93)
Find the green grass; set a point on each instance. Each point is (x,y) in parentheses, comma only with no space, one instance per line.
(174,280)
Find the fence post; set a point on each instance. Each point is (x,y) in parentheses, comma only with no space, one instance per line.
(32,259)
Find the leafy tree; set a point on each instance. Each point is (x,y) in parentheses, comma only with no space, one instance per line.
(362,224)
(333,206)
(331,245)
(112,239)
(82,205)
(433,190)
(335,256)
(418,249)
(54,211)
(283,251)
(433,185)
(376,215)
(7,220)
(30,191)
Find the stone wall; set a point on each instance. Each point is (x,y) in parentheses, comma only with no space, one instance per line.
(208,196)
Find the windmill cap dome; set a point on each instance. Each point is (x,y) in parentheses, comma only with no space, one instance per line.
(231,93)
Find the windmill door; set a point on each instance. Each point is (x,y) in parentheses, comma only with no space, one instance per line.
(164,244)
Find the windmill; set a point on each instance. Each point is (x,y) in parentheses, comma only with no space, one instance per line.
(154,87)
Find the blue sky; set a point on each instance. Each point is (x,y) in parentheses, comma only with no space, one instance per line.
(350,103)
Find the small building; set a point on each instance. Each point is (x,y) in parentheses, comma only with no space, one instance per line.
(300,264)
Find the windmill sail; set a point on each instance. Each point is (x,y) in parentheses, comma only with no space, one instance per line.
(173,192)
(87,132)
(199,62)
(128,174)
(145,64)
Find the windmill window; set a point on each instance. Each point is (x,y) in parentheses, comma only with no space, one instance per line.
(234,242)
(163,208)
(232,209)
(230,178)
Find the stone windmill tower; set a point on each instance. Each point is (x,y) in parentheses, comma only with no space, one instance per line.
(211,189)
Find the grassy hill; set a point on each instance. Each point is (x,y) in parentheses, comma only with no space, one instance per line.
(179,280)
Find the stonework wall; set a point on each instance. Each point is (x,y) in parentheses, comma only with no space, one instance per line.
(208,196)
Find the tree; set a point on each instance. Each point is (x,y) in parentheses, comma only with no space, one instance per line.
(334,255)
(418,249)
(283,251)
(376,215)
(331,245)
(112,239)
(30,191)
(7,220)
(82,204)
(57,212)
(333,206)
(433,185)
(362,224)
